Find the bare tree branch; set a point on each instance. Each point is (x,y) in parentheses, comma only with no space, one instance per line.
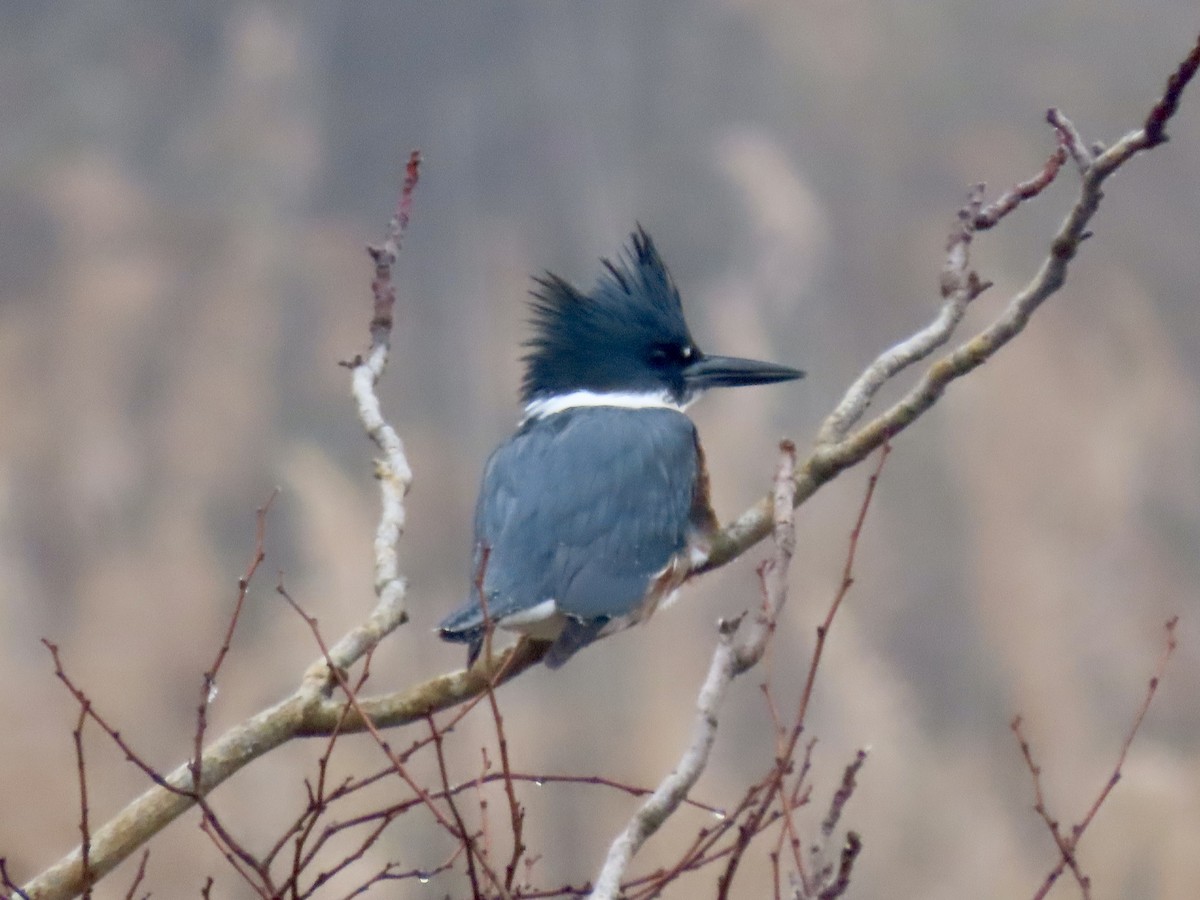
(1067,843)
(837,448)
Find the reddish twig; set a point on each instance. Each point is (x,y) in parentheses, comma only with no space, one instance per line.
(224,840)
(516,815)
(1151,688)
(465,837)
(87,710)
(1168,103)
(387,873)
(775,787)
(8,883)
(704,850)
(789,831)
(208,688)
(843,590)
(139,876)
(1065,847)
(85,847)
(481,798)
(1067,843)
(237,857)
(82,698)
(385,254)
(397,764)
(319,798)
(994,212)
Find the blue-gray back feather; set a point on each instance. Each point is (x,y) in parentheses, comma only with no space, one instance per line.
(584,507)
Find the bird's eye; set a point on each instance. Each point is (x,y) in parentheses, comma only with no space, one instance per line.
(669,354)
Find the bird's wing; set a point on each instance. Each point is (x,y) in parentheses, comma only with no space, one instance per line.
(585,507)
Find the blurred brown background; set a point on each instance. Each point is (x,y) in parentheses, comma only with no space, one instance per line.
(185,194)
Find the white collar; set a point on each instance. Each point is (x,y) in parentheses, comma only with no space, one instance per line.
(548,406)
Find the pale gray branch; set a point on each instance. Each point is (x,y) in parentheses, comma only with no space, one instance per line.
(837,447)
(958,290)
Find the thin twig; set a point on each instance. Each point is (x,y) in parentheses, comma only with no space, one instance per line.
(1067,843)
(465,837)
(319,800)
(139,876)
(516,815)
(991,215)
(1151,688)
(1066,848)
(208,687)
(8,883)
(1168,103)
(85,846)
(396,761)
(775,779)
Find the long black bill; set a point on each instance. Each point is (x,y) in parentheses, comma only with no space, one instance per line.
(730,371)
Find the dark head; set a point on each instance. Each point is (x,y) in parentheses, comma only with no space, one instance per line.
(628,336)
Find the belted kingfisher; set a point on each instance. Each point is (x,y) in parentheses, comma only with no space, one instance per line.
(592,513)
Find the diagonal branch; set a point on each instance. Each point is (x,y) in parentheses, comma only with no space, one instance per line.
(837,447)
